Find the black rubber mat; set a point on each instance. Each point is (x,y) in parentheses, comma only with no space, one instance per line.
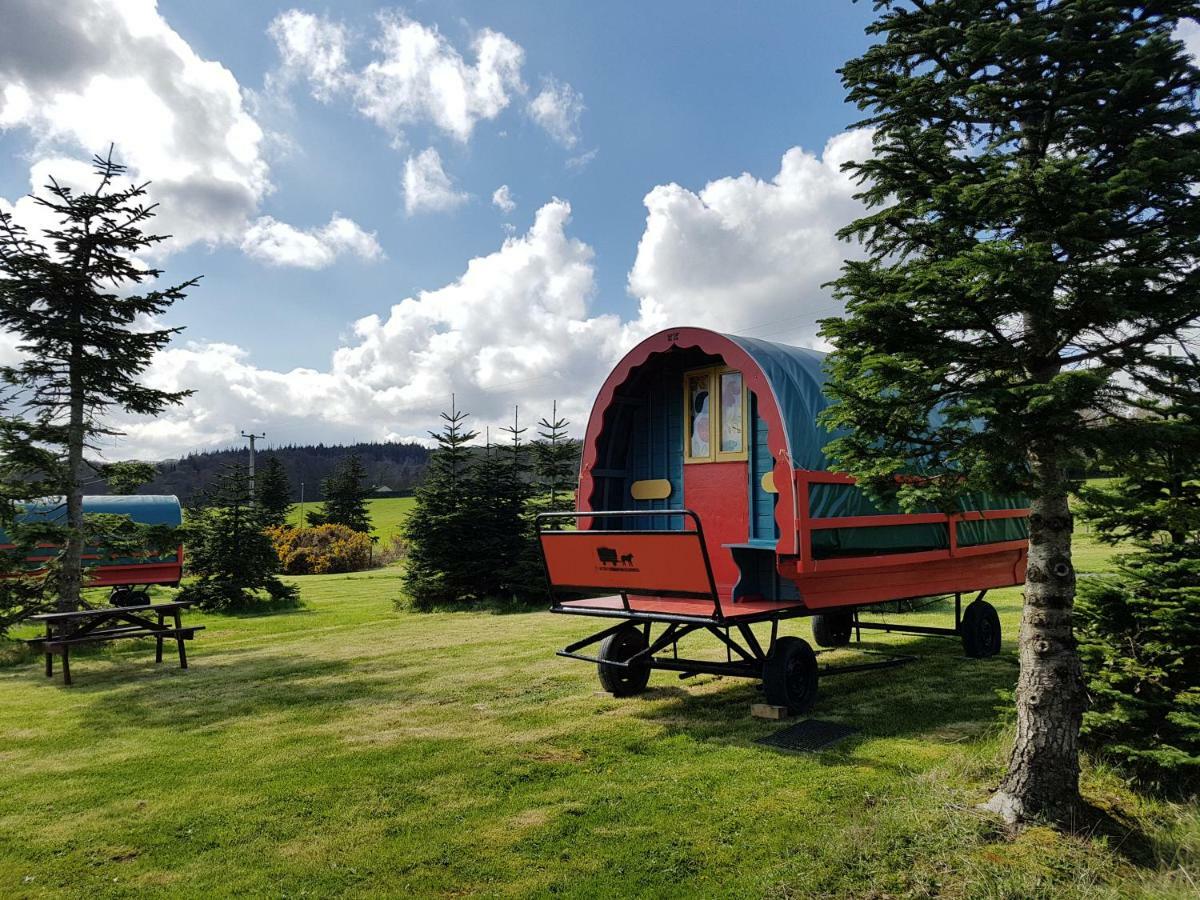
(808,736)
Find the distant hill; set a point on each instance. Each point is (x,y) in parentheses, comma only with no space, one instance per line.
(396,467)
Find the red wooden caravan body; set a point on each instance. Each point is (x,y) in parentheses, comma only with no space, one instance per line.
(714,507)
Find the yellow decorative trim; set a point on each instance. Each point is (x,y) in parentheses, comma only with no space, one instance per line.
(768,483)
(653,489)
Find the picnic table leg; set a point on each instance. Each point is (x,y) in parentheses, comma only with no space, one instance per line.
(66,664)
(49,655)
(179,641)
(158,641)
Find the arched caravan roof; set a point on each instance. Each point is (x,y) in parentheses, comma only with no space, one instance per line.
(786,380)
(796,376)
(145,509)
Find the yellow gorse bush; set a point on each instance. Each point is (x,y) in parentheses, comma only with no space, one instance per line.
(321,549)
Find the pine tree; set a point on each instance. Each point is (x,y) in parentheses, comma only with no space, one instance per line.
(24,458)
(1030,246)
(515,549)
(273,491)
(1139,630)
(230,551)
(440,566)
(556,459)
(67,296)
(345,496)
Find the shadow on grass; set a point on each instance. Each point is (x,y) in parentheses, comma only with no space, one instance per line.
(15,653)
(213,692)
(940,695)
(1122,834)
(489,607)
(262,612)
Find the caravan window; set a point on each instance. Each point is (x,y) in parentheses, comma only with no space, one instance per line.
(715,406)
(699,416)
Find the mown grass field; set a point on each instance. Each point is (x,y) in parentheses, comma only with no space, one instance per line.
(346,748)
(387,515)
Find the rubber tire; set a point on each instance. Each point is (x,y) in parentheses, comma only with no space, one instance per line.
(833,629)
(790,675)
(622,681)
(123,595)
(980,630)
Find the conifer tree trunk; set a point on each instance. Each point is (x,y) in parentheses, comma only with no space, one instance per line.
(71,577)
(1043,766)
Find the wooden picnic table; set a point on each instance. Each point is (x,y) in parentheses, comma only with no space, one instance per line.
(112,623)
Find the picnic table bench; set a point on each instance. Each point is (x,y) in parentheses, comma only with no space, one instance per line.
(95,626)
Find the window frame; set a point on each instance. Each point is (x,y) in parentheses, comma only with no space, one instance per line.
(743,407)
(716,416)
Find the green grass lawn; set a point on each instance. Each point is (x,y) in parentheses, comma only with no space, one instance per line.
(346,748)
(387,515)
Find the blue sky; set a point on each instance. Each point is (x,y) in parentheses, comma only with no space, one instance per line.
(681,92)
(678,101)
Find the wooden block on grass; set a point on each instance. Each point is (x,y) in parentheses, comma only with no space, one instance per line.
(606,694)
(768,711)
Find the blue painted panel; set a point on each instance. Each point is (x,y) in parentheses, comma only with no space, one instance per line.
(656,449)
(759,577)
(762,504)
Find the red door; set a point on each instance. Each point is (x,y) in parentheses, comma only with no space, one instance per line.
(717,493)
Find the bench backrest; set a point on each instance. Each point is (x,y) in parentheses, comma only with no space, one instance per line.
(654,563)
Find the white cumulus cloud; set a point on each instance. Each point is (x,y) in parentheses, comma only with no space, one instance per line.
(741,255)
(427,187)
(1188,31)
(311,47)
(415,76)
(280,244)
(502,199)
(515,327)
(750,255)
(80,75)
(558,109)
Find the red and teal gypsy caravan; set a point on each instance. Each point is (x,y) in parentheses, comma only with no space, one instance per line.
(127,577)
(711,507)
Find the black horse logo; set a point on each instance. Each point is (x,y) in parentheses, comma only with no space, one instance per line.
(609,556)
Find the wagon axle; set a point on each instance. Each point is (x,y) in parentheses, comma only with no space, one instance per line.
(787,667)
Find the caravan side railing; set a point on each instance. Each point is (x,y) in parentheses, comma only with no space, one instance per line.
(806,524)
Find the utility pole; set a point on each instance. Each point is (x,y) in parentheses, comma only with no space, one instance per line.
(252,438)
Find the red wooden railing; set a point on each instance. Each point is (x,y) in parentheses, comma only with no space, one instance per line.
(806,524)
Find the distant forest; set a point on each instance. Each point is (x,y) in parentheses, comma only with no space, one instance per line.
(392,468)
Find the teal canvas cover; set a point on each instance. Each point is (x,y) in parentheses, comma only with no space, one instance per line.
(146,509)
(797,377)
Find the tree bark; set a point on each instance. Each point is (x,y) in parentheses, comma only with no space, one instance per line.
(1042,781)
(70,582)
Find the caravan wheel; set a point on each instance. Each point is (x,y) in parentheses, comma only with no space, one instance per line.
(833,629)
(980,630)
(622,681)
(790,675)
